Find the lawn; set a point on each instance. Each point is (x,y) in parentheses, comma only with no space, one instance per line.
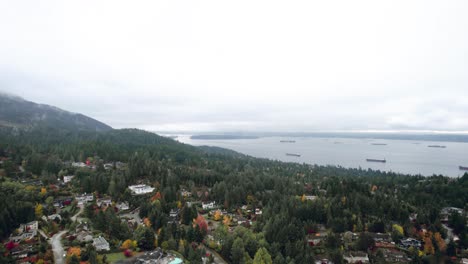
(113,257)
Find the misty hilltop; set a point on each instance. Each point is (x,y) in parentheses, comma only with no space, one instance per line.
(15,112)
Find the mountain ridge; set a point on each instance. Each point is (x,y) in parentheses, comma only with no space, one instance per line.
(18,113)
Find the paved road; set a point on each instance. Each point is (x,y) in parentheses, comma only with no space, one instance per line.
(73,218)
(57,247)
(449,233)
(217,258)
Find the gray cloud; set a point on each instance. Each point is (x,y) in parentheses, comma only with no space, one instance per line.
(262,65)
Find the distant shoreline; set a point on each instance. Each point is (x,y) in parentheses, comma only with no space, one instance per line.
(361,135)
(224,137)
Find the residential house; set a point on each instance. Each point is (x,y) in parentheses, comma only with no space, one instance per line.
(185,193)
(67,179)
(323,261)
(381,237)
(356,257)
(141,189)
(395,256)
(100,244)
(310,197)
(208,206)
(316,239)
(123,206)
(411,242)
(31,226)
(104,202)
(447,211)
(108,166)
(84,236)
(174,216)
(84,198)
(54,217)
(78,164)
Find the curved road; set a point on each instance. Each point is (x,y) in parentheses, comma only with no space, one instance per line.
(57,247)
(56,242)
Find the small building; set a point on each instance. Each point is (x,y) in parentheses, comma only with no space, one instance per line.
(395,256)
(310,197)
(84,236)
(356,257)
(141,189)
(31,226)
(208,206)
(84,198)
(67,179)
(108,166)
(411,242)
(185,193)
(78,164)
(447,211)
(174,216)
(101,244)
(104,202)
(54,217)
(381,237)
(123,206)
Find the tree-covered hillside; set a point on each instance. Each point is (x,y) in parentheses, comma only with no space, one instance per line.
(296,200)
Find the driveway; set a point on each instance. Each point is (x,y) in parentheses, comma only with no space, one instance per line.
(57,247)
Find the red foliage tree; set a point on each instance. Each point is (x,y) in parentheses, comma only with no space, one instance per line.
(201,223)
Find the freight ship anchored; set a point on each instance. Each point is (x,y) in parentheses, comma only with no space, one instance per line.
(293,155)
(376,160)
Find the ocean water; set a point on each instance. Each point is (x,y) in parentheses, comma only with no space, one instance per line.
(402,156)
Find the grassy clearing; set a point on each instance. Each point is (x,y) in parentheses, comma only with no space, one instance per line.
(113,257)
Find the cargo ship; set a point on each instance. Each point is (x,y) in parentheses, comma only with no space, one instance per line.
(376,160)
(436,146)
(288,141)
(463,168)
(293,155)
(379,144)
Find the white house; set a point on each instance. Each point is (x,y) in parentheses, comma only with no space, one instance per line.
(356,257)
(209,205)
(78,164)
(141,189)
(54,216)
(84,198)
(123,206)
(67,179)
(101,243)
(310,197)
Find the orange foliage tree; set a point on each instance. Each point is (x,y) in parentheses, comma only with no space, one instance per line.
(226,220)
(217,215)
(147,222)
(200,222)
(74,251)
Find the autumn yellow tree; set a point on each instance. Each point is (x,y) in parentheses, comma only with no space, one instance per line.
(217,215)
(226,220)
(129,244)
(39,210)
(43,191)
(303,198)
(398,229)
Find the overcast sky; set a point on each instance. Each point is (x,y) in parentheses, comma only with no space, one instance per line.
(242,65)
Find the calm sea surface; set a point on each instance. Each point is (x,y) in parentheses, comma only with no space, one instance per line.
(403,156)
